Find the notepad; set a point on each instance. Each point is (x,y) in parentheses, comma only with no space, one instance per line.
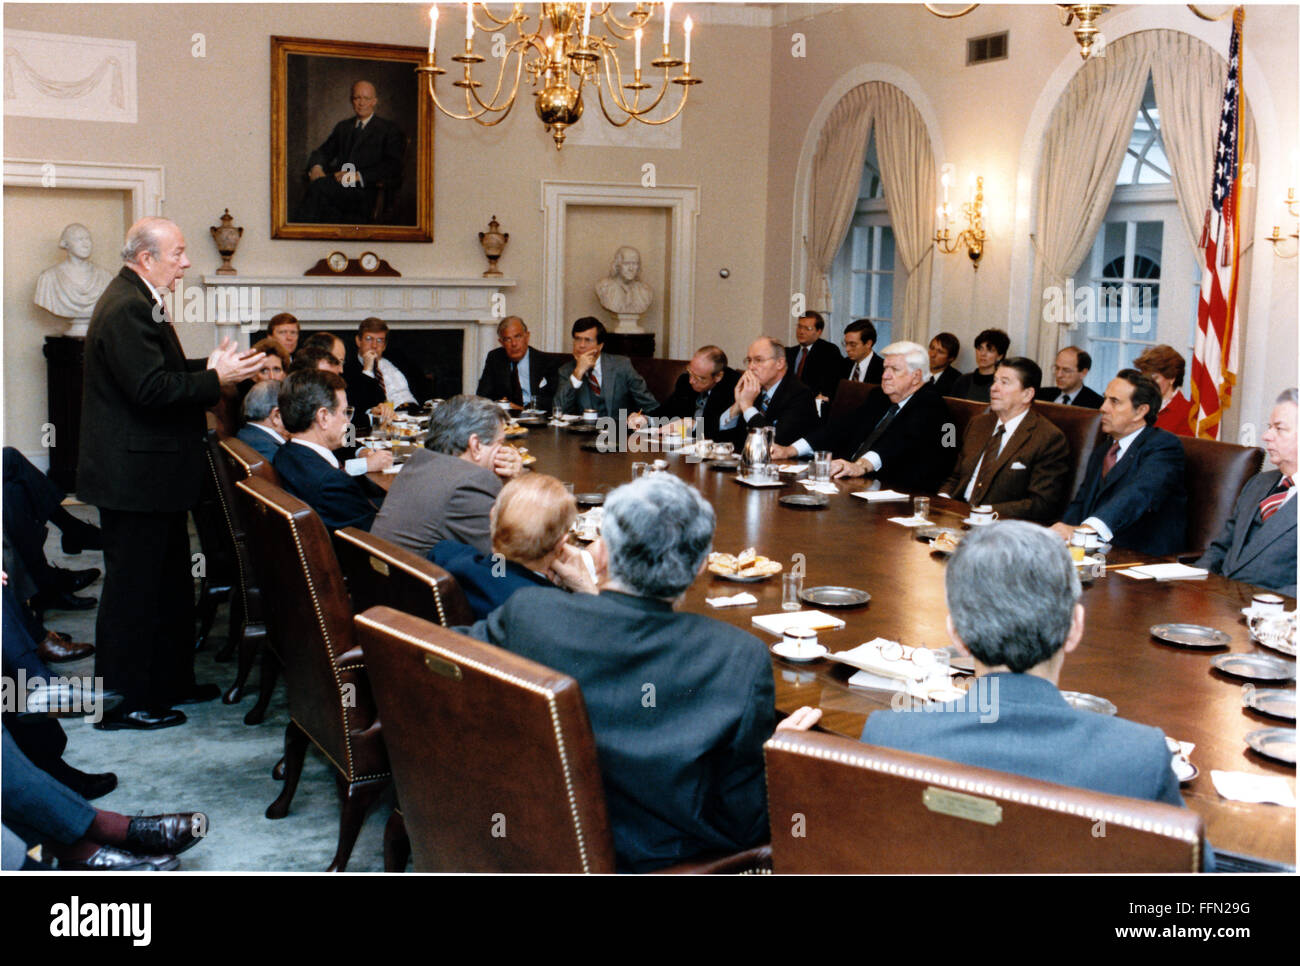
(880,496)
(1165,571)
(815,620)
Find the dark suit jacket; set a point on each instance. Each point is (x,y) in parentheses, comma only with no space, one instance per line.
(875,369)
(792,410)
(621,387)
(142,419)
(260,440)
(494,383)
(1038,735)
(681,404)
(822,371)
(1143,500)
(338,499)
(377,150)
(438,497)
(1254,551)
(488,581)
(1037,490)
(680,706)
(1086,397)
(912,453)
(945,381)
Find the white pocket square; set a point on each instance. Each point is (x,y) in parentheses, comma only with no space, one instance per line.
(542,384)
(1017,465)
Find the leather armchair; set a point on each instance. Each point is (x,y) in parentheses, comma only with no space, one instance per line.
(1215,474)
(849,395)
(250,460)
(1082,429)
(864,809)
(379,572)
(330,703)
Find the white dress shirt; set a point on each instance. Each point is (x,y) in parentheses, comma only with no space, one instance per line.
(396,389)
(1008,430)
(859,371)
(575,382)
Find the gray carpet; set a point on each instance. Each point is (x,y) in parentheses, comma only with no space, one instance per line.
(213,763)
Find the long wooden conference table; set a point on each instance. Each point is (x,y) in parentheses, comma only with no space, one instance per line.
(852,543)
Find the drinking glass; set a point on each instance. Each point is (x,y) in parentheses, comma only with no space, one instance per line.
(921,507)
(791,588)
(639,470)
(821,466)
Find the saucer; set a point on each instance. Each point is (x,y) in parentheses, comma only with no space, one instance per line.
(971,521)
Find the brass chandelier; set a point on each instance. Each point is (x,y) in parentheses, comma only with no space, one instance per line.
(561,56)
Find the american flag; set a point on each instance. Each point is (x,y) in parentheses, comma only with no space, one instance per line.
(1214,358)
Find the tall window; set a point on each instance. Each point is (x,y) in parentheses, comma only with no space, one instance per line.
(1138,286)
(864,270)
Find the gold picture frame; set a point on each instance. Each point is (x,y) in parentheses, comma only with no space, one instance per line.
(390,185)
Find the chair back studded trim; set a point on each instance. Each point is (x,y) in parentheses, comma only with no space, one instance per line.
(492,754)
(861,808)
(248,460)
(379,572)
(1214,475)
(311,618)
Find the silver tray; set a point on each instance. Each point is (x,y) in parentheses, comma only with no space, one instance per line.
(834,596)
(1270,701)
(1088,702)
(737,579)
(581,427)
(589,499)
(808,501)
(927,534)
(1275,743)
(1259,667)
(1191,635)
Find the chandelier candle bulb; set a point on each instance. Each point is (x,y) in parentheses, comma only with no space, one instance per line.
(586,23)
(687,27)
(433,29)
(469,26)
(668,17)
(637,65)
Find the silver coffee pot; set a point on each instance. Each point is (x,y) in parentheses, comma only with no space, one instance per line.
(758,446)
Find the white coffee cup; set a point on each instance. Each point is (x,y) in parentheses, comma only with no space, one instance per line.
(1267,604)
(800,639)
(589,415)
(982,515)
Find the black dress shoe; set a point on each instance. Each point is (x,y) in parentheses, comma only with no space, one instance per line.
(61,600)
(164,834)
(110,859)
(75,580)
(140,720)
(95,786)
(200,694)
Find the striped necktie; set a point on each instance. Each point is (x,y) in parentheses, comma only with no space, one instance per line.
(1270,504)
(1112,457)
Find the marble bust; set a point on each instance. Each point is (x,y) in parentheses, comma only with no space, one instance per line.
(72,287)
(622,292)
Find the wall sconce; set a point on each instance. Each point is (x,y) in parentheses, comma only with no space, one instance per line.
(972,236)
(1277,237)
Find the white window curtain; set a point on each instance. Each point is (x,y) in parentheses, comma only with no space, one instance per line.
(907,170)
(1089,133)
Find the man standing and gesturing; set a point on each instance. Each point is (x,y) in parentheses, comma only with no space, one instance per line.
(141,464)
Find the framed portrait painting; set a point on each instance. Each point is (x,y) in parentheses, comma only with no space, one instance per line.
(351,142)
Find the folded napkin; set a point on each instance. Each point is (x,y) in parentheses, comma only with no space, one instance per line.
(880,496)
(735,600)
(911,521)
(778,624)
(1165,571)
(830,488)
(395,468)
(1240,786)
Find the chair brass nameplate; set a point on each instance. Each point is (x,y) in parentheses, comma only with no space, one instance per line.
(960,805)
(440,666)
(378,565)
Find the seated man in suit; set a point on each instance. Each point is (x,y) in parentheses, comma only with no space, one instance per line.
(372,379)
(897,435)
(345,172)
(1258,543)
(812,360)
(1072,366)
(515,372)
(680,704)
(262,429)
(446,490)
(1132,493)
(329,344)
(702,394)
(530,546)
(315,414)
(599,380)
(1012,458)
(862,363)
(767,394)
(1013,605)
(944,349)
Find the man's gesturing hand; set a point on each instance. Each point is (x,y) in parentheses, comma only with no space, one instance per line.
(231,365)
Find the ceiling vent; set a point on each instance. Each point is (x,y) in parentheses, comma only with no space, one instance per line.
(981,50)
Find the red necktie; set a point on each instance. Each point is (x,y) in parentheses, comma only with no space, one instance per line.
(1269,505)
(591,378)
(1112,457)
(803,357)
(379,378)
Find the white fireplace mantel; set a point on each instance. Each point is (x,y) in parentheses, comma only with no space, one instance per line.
(473,305)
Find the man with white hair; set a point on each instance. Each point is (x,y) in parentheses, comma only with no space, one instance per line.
(680,704)
(898,435)
(141,462)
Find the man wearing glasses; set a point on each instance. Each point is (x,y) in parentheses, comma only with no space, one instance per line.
(316,415)
(1072,365)
(766,395)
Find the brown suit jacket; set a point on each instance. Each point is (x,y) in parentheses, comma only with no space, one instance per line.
(1032,473)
